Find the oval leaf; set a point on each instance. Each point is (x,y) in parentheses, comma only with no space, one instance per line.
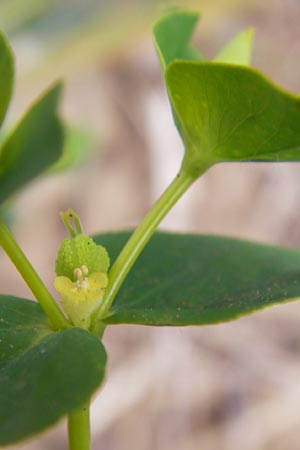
(232,113)
(35,144)
(198,280)
(43,374)
(224,112)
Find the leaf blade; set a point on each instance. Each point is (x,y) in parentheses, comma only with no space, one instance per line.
(232,113)
(202,280)
(223,110)
(43,374)
(35,144)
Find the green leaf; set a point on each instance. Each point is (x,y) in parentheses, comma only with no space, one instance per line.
(43,374)
(35,144)
(6,75)
(172,34)
(198,280)
(238,50)
(232,113)
(225,112)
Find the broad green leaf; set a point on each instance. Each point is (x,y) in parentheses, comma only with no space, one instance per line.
(225,112)
(43,374)
(232,113)
(172,36)
(6,75)
(34,145)
(197,280)
(238,50)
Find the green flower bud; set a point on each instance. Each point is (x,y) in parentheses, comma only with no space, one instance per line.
(78,251)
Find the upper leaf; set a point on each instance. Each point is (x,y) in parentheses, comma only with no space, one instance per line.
(6,75)
(197,280)
(34,145)
(43,374)
(172,36)
(233,113)
(225,111)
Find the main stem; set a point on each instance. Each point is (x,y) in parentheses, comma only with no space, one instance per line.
(31,278)
(141,236)
(79,428)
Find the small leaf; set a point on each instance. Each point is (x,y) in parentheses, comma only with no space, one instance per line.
(172,34)
(43,374)
(238,50)
(198,280)
(232,113)
(6,75)
(34,145)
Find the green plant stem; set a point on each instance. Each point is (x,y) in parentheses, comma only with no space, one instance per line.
(79,428)
(32,279)
(141,236)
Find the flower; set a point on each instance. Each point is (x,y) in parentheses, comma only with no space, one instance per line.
(82,297)
(81,267)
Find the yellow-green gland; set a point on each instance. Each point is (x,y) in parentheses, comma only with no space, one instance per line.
(81,298)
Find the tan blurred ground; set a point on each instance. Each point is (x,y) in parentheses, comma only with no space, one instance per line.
(229,387)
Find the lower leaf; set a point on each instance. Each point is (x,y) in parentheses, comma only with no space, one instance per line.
(43,374)
(197,280)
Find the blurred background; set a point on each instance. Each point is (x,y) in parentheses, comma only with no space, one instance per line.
(233,386)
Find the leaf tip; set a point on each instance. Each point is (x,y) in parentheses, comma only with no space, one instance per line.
(172,32)
(238,50)
(54,90)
